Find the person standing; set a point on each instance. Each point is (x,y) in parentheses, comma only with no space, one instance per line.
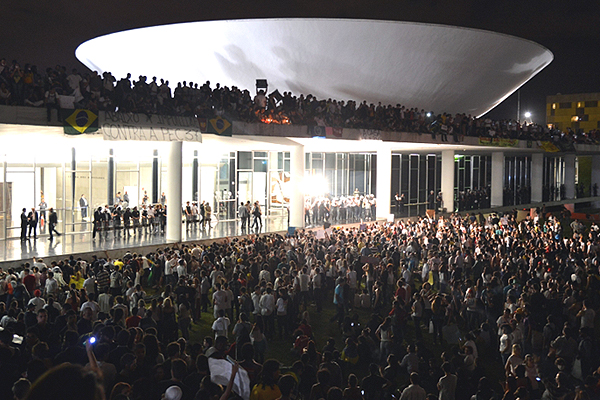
(208,214)
(24,223)
(98,218)
(242,213)
(127,222)
(83,206)
(338,300)
(257,224)
(187,211)
(135,217)
(53,221)
(447,383)
(414,391)
(43,206)
(32,218)
(248,213)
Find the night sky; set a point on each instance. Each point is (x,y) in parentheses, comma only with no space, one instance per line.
(47,33)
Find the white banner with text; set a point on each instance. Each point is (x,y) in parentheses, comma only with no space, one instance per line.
(151,128)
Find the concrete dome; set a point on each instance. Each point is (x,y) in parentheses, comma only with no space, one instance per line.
(435,67)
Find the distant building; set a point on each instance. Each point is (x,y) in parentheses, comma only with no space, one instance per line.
(576,111)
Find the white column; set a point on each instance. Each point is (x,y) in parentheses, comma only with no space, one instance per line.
(569,176)
(497,179)
(174,203)
(297,192)
(448,180)
(384,181)
(537,173)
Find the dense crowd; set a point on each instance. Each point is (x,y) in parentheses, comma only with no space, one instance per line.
(25,85)
(508,305)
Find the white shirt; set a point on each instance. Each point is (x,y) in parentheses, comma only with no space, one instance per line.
(281,306)
(104,302)
(303,281)
(256,302)
(181,271)
(221,326)
(51,286)
(88,284)
(267,304)
(38,302)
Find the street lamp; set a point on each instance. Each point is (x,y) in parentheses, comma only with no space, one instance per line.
(527,114)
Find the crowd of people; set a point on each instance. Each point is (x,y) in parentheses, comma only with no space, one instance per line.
(319,210)
(25,85)
(459,307)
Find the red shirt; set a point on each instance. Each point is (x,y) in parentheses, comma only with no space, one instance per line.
(29,282)
(133,321)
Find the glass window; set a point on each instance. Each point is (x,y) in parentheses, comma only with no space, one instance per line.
(591,103)
(260,154)
(566,104)
(404,178)
(317,167)
(330,160)
(245,160)
(260,165)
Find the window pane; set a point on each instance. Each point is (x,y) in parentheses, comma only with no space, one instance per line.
(260,165)
(245,160)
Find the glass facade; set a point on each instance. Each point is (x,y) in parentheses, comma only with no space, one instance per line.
(340,174)
(103,175)
(60,177)
(554,178)
(517,180)
(415,176)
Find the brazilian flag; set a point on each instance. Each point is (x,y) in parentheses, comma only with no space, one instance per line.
(220,126)
(80,121)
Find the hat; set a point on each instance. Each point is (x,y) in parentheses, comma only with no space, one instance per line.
(173,393)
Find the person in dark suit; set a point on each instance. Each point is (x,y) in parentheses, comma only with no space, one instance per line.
(33,219)
(98,218)
(53,221)
(24,224)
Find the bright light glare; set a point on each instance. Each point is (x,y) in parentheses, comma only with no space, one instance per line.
(314,186)
(428,114)
(527,114)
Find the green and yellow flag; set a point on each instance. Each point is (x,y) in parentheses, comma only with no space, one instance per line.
(79,121)
(220,126)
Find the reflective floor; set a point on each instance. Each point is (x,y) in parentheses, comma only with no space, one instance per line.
(12,251)
(77,239)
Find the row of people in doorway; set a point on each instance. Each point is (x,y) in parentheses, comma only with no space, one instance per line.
(320,210)
(197,215)
(147,219)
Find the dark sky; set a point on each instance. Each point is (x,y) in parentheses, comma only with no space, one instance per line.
(47,33)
